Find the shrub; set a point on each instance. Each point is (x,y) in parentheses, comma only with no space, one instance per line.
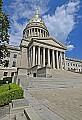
(4,88)
(7,95)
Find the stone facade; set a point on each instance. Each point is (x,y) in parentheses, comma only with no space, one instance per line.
(74,65)
(13,59)
(38,52)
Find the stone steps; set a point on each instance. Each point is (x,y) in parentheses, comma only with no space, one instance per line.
(50,83)
(31,114)
(61,79)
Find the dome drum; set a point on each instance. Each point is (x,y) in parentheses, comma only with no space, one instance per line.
(38,32)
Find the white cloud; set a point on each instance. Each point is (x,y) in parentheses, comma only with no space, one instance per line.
(16,33)
(26,8)
(70,47)
(63,21)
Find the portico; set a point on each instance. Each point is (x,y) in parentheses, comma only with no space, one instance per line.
(45,56)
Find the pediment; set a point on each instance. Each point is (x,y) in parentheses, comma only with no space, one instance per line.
(52,42)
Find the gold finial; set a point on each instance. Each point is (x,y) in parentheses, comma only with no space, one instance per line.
(36,14)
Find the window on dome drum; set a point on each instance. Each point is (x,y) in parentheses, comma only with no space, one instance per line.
(14,64)
(15,56)
(44,33)
(73,64)
(5,73)
(32,29)
(38,30)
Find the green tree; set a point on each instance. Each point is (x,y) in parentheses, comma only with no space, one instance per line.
(4,35)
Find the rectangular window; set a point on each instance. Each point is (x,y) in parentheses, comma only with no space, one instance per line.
(12,74)
(15,56)
(5,73)
(14,64)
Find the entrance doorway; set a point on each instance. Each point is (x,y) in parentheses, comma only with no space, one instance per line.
(34,74)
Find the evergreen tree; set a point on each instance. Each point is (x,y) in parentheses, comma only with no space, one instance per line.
(4,35)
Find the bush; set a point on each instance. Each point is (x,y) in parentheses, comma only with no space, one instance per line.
(4,88)
(10,92)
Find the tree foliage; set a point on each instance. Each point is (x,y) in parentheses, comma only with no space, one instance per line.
(4,35)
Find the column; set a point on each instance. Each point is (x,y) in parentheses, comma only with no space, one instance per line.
(61,61)
(40,33)
(33,56)
(57,61)
(46,34)
(53,59)
(48,57)
(38,55)
(37,31)
(43,57)
(29,58)
(29,32)
(64,61)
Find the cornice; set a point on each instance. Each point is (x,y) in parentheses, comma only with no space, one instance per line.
(73,59)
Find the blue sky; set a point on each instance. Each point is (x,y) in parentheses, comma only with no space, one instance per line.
(63,19)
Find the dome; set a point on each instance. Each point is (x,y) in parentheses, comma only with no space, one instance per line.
(36,27)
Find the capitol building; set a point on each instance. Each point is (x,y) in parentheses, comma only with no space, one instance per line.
(39,54)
